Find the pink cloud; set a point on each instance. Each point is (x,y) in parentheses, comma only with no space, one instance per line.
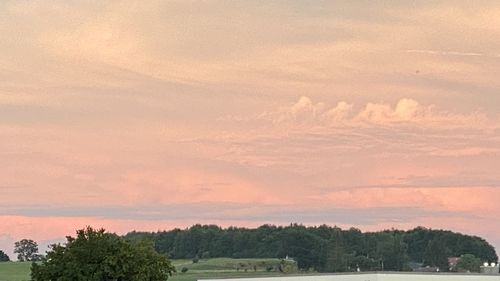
(480,201)
(119,106)
(191,186)
(406,111)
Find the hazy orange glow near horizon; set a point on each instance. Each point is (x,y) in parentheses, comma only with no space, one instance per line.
(150,115)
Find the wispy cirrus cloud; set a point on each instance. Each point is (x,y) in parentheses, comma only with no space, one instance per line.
(449,53)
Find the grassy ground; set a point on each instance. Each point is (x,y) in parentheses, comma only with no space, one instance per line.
(224,268)
(15,271)
(204,269)
(193,276)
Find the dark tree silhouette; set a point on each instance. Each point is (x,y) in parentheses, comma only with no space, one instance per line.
(26,250)
(3,257)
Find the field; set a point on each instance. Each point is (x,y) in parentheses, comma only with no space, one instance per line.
(14,271)
(206,268)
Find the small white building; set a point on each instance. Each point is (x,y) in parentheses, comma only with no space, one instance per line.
(492,268)
(376,276)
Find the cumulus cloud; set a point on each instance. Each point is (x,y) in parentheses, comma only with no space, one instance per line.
(339,112)
(303,110)
(406,111)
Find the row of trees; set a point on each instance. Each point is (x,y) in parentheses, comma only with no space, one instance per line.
(323,248)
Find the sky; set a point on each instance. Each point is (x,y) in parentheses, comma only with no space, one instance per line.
(150,115)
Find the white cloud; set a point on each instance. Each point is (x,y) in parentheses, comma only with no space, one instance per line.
(339,112)
(302,111)
(406,111)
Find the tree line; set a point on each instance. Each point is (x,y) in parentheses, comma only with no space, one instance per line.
(321,248)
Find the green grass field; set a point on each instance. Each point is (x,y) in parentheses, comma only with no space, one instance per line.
(204,269)
(15,271)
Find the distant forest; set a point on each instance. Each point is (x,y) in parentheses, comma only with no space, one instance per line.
(323,248)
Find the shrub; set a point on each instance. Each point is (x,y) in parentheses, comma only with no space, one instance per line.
(3,256)
(95,255)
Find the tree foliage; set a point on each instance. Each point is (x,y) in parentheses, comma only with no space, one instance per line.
(469,263)
(4,257)
(96,255)
(324,248)
(26,250)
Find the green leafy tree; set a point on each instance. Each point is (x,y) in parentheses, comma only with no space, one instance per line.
(3,257)
(436,254)
(392,251)
(26,250)
(469,263)
(96,255)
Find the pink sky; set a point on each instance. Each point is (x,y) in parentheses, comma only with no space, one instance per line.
(148,116)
